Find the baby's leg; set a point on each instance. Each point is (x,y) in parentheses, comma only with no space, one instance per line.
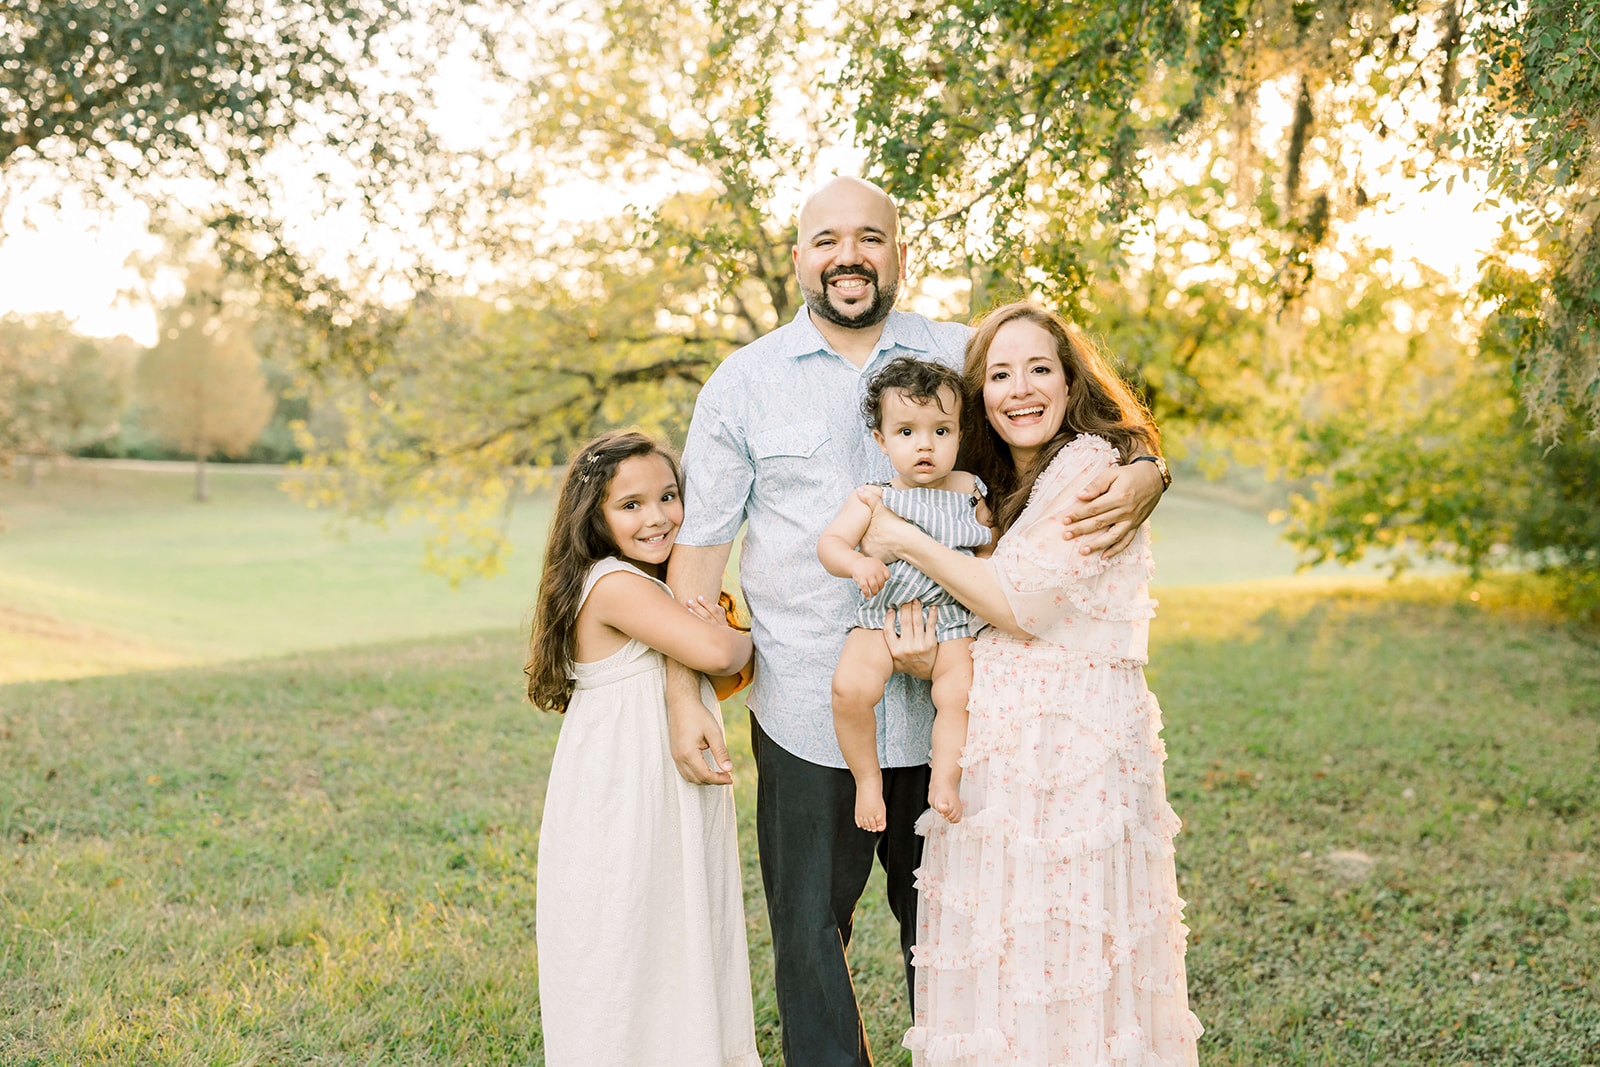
(952,680)
(864,669)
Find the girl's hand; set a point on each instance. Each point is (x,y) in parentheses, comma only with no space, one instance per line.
(712,613)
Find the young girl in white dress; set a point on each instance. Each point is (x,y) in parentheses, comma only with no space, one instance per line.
(641,935)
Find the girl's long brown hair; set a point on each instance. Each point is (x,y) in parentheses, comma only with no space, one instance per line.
(1098,402)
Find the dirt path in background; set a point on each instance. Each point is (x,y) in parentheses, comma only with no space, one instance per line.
(37,647)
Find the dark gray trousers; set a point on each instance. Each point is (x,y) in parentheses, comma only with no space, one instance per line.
(814,865)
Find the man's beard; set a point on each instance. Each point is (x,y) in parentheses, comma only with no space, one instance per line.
(882,299)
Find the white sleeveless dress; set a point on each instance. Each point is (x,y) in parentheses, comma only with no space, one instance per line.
(641,936)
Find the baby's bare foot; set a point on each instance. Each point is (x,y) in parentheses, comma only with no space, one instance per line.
(870,813)
(944,795)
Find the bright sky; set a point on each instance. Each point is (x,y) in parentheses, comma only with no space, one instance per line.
(76,261)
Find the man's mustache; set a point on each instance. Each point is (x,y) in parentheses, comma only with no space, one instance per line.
(860,270)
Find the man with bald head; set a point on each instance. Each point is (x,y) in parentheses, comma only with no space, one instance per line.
(777,442)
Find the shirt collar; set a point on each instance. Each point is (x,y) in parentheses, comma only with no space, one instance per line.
(900,330)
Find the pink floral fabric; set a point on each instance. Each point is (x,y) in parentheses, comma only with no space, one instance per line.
(1050,930)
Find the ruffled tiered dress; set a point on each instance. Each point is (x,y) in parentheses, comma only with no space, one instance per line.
(1050,930)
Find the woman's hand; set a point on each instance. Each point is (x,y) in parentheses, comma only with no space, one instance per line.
(870,495)
(913,647)
(886,533)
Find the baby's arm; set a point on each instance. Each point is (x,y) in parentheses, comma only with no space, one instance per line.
(836,548)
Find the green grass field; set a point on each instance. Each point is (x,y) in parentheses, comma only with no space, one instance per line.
(1390,847)
(328,857)
(113,570)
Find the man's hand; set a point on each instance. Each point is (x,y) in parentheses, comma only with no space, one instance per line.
(690,732)
(913,648)
(1112,508)
(870,574)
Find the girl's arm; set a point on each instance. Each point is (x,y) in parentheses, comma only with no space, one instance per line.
(968,579)
(636,606)
(836,548)
(724,685)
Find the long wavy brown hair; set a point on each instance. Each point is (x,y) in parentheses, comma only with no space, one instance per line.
(1098,402)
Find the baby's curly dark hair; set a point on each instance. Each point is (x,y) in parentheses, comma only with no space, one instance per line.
(919,379)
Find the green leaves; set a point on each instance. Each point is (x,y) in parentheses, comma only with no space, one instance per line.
(131,85)
(1017,128)
(202,384)
(1536,129)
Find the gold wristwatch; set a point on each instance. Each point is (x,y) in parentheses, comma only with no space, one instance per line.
(1161,465)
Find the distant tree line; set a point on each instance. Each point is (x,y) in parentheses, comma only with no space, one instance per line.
(1185,179)
(200,393)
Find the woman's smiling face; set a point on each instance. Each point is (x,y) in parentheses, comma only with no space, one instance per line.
(1024,388)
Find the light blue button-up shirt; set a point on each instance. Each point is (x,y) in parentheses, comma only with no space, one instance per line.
(778,441)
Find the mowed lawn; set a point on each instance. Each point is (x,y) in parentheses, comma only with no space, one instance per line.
(112,570)
(329,858)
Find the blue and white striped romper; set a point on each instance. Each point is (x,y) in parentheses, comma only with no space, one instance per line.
(949,518)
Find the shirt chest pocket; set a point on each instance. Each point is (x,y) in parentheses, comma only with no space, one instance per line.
(790,453)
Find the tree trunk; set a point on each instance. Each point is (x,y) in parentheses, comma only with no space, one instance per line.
(1299,136)
(33,472)
(200,493)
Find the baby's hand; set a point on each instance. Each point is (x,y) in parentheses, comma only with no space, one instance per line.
(712,614)
(870,574)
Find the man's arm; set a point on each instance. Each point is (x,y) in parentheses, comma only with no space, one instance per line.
(695,572)
(1112,507)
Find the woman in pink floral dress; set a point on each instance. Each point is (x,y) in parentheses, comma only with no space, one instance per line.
(1050,928)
